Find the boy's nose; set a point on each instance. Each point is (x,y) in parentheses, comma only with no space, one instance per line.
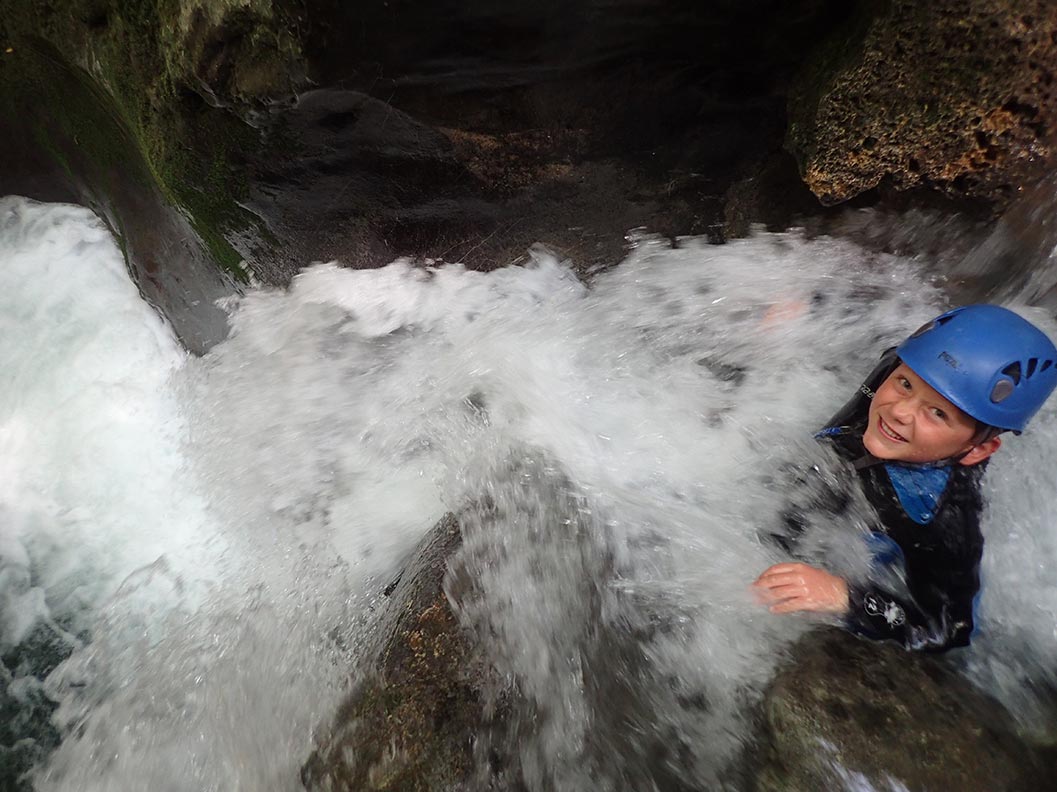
(902,410)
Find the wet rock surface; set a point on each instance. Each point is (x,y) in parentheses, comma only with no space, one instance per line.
(88,155)
(286,131)
(346,176)
(566,124)
(412,723)
(442,705)
(956,97)
(850,714)
(844,713)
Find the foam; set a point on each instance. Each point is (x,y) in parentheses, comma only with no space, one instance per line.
(221,527)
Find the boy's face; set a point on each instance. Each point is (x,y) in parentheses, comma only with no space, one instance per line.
(910,422)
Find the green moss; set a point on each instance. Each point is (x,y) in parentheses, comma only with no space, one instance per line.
(44,140)
(169,136)
(143,53)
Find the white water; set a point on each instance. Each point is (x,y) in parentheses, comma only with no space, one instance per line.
(220,527)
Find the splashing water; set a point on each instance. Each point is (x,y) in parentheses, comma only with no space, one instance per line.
(209,536)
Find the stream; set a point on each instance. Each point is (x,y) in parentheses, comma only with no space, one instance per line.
(191,548)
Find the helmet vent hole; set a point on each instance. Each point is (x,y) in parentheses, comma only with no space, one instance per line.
(1045,365)
(1013,372)
(1033,363)
(1003,390)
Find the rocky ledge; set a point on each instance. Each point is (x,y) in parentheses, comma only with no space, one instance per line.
(842,713)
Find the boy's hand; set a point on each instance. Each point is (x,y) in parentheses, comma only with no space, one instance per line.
(783,311)
(788,588)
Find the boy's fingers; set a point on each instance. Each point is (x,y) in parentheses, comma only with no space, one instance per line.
(767,577)
(787,606)
(781,579)
(788,566)
(783,572)
(785,591)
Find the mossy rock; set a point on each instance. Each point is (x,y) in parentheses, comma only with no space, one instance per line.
(182,77)
(67,140)
(849,711)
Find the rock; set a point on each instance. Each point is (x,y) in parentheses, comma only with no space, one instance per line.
(773,195)
(180,80)
(476,137)
(341,175)
(565,133)
(27,734)
(65,140)
(849,712)
(448,702)
(411,723)
(955,96)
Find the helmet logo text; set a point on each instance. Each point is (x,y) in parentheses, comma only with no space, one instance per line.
(947,358)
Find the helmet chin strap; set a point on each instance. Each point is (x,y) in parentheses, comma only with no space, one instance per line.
(983,434)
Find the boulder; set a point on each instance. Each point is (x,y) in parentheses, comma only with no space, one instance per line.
(437,710)
(849,713)
(411,723)
(144,112)
(447,702)
(65,139)
(955,96)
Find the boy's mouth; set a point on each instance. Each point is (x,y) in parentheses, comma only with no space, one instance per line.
(888,432)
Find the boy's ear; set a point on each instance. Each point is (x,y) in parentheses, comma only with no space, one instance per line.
(978,453)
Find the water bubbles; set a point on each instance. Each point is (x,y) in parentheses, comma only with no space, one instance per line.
(220,529)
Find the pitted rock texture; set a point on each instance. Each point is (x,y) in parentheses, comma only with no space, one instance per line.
(958,96)
(851,713)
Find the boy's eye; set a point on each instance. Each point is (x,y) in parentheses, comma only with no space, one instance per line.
(904,383)
(939,413)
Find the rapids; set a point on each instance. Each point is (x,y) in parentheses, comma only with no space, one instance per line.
(209,536)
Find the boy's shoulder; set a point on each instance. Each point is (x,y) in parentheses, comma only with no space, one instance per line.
(935,509)
(935,504)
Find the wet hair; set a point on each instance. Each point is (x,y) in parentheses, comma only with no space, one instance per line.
(985,432)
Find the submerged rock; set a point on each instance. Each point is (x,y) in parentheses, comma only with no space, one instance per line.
(448,703)
(27,734)
(856,714)
(441,709)
(411,723)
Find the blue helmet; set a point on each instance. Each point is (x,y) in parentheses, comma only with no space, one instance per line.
(987,361)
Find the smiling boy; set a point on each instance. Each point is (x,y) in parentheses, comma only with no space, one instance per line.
(918,433)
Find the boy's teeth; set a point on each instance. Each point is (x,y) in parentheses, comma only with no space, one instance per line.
(886,429)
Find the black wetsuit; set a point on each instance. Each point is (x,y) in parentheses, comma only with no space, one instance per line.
(929,522)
